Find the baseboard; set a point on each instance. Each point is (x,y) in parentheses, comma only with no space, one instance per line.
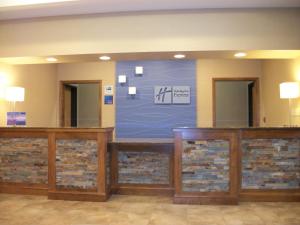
(143,190)
(23,188)
(77,196)
(205,200)
(270,195)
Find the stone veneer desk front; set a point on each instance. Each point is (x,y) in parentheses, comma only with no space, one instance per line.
(229,165)
(63,163)
(142,166)
(198,166)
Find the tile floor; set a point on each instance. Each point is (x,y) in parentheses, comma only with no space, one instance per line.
(137,210)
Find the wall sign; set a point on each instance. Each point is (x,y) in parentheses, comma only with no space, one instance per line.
(181,95)
(163,95)
(108,90)
(172,95)
(108,99)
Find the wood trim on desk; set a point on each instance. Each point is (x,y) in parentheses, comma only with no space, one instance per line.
(286,195)
(20,133)
(23,188)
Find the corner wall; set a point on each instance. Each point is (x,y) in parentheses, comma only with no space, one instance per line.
(276,109)
(39,82)
(104,71)
(207,69)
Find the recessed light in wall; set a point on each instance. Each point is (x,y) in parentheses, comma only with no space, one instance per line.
(240,54)
(51,59)
(104,58)
(179,56)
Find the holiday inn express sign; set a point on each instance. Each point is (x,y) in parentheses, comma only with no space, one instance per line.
(172,95)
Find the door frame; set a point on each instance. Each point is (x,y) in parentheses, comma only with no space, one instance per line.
(256,96)
(62,83)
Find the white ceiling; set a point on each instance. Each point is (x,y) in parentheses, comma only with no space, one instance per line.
(113,6)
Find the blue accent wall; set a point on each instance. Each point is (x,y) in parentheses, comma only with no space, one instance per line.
(138,116)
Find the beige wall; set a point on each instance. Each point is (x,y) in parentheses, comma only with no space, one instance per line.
(217,68)
(230,29)
(276,109)
(232,104)
(39,82)
(104,71)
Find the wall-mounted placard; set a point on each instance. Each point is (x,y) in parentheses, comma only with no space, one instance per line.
(108,99)
(108,90)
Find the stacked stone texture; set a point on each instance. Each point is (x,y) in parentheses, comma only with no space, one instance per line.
(205,166)
(24,160)
(76,164)
(271,164)
(143,168)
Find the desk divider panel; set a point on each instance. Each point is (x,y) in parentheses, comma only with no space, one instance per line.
(206,163)
(270,165)
(23,161)
(142,168)
(78,164)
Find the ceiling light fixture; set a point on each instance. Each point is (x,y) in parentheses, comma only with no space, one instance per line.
(104,58)
(179,56)
(240,54)
(11,3)
(51,59)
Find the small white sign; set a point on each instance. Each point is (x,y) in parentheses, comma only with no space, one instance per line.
(108,90)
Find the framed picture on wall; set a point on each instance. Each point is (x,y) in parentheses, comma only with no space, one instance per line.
(16,118)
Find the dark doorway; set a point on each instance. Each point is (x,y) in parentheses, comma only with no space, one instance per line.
(250,104)
(70,105)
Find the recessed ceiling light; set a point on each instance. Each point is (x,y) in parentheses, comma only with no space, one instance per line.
(179,56)
(104,58)
(10,3)
(240,54)
(51,59)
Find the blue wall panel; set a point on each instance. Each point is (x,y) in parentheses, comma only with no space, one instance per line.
(138,116)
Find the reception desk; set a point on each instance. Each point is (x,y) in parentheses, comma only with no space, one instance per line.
(63,163)
(230,165)
(198,166)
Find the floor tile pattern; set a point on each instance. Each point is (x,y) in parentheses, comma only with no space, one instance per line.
(140,210)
